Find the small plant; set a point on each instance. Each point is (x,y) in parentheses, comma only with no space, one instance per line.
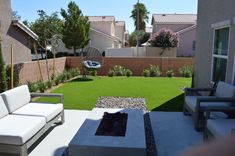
(93,72)
(145,73)
(32,86)
(119,70)
(57,80)
(110,73)
(128,72)
(186,71)
(170,73)
(154,71)
(41,86)
(48,84)
(74,71)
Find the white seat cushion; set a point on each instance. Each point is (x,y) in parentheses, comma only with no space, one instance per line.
(221,127)
(49,111)
(192,100)
(3,108)
(18,129)
(16,98)
(225,90)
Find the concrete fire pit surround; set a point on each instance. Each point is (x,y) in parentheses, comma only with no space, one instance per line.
(86,143)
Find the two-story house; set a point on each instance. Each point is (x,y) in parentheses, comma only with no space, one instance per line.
(184,25)
(14,32)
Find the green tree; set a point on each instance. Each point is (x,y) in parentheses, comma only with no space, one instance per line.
(46,26)
(3,80)
(140,9)
(76,28)
(143,37)
(15,15)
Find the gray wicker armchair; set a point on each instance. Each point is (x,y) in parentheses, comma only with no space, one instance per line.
(224,96)
(92,59)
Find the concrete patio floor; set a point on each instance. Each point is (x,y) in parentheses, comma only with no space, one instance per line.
(173,133)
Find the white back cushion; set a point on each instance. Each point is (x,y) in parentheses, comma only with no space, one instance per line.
(16,98)
(3,108)
(225,90)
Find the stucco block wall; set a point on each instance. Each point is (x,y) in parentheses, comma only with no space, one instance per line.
(136,65)
(29,71)
(210,12)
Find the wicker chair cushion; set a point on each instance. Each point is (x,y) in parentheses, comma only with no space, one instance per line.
(91,64)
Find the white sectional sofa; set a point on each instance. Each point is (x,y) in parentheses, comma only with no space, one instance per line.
(22,122)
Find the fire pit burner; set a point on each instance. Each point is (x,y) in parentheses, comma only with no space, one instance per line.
(112,124)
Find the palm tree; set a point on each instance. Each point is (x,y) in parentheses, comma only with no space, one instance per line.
(140,9)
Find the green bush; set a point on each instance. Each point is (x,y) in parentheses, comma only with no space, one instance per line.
(128,72)
(170,73)
(119,70)
(186,71)
(15,76)
(57,80)
(32,86)
(145,73)
(74,71)
(3,78)
(154,71)
(41,86)
(93,72)
(48,84)
(110,73)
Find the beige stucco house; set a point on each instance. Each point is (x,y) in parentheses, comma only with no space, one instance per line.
(105,33)
(13,32)
(215,57)
(184,25)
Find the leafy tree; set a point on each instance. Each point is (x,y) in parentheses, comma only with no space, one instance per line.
(3,80)
(46,26)
(15,15)
(140,9)
(143,37)
(76,28)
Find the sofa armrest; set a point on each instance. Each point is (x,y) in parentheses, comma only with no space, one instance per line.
(218,109)
(60,96)
(189,91)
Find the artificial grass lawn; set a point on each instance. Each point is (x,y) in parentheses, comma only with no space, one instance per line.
(160,93)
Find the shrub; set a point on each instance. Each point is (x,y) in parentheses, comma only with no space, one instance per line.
(154,71)
(15,76)
(93,72)
(186,71)
(164,38)
(48,84)
(32,86)
(128,72)
(110,73)
(57,80)
(74,71)
(119,70)
(3,78)
(145,73)
(170,73)
(41,86)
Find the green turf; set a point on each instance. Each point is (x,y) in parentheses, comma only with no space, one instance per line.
(160,93)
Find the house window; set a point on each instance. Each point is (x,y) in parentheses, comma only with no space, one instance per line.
(194,46)
(220,53)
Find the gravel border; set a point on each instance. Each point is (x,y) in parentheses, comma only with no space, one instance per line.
(133,103)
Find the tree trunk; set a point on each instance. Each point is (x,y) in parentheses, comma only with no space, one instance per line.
(74,51)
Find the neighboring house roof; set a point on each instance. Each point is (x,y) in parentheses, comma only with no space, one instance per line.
(149,30)
(25,29)
(101,18)
(187,29)
(105,35)
(174,18)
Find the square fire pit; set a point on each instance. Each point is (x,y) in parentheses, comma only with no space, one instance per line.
(86,143)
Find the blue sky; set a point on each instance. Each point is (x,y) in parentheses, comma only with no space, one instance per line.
(121,9)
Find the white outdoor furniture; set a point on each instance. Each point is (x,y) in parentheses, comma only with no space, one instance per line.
(22,122)
(224,96)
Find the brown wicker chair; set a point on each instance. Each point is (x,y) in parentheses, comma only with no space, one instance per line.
(92,59)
